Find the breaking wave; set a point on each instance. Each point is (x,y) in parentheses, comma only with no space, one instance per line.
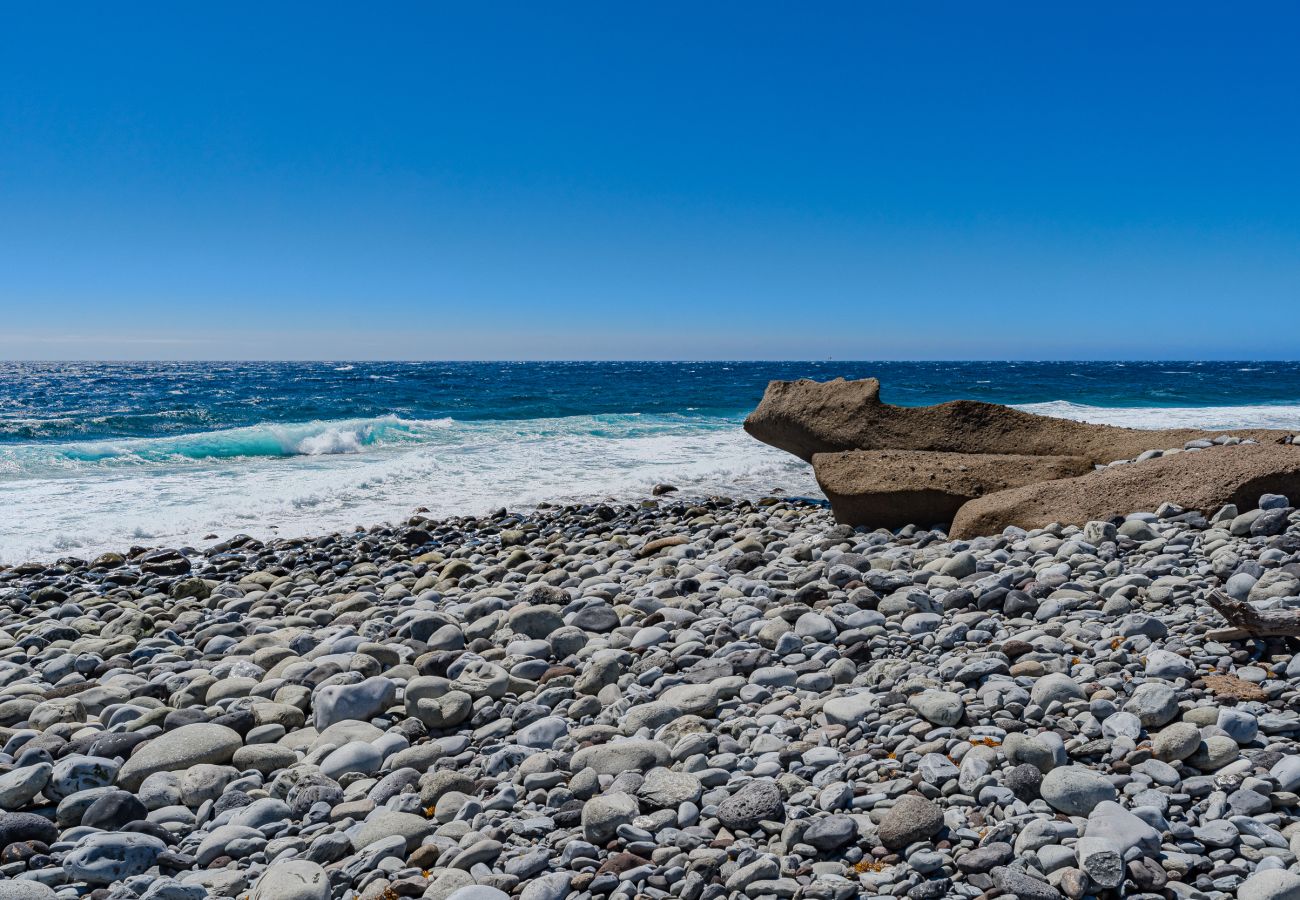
(267,440)
(319,477)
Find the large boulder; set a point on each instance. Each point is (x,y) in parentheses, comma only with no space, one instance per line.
(809,417)
(1204,480)
(892,488)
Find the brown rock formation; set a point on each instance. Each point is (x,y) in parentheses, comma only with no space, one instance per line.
(892,488)
(1203,480)
(809,417)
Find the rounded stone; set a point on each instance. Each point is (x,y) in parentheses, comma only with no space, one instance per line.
(913,818)
(182,748)
(483,679)
(1214,752)
(292,879)
(446,711)
(1055,688)
(388,823)
(1023,749)
(554,886)
(1176,742)
(77,773)
(542,734)
(25,889)
(1272,884)
(1025,781)
(19,787)
(1076,790)
(666,789)
(478,892)
(16,827)
(104,858)
(618,757)
(113,810)
(359,757)
(234,841)
(265,758)
(536,621)
(848,711)
(602,816)
(757,801)
(1155,703)
(1167,665)
(942,708)
(361,701)
(830,833)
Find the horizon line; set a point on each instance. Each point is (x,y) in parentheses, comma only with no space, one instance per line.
(666,361)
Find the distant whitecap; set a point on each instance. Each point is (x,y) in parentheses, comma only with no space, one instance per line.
(1212,417)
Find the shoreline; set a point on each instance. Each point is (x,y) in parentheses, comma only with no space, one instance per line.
(100,459)
(110,506)
(204,546)
(679,698)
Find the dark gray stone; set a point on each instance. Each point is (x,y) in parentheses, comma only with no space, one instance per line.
(984,859)
(1022,886)
(114,810)
(1024,781)
(830,833)
(913,818)
(755,802)
(16,827)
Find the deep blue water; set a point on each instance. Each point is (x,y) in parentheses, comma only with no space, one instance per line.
(99,455)
(52,402)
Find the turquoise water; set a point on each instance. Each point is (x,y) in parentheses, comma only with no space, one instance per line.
(96,455)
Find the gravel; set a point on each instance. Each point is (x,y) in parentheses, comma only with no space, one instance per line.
(683,698)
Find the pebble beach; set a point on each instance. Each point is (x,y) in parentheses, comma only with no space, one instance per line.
(693,698)
(438,459)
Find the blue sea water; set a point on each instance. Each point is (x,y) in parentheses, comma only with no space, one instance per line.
(107,455)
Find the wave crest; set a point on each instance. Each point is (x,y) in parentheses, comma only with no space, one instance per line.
(333,475)
(268,440)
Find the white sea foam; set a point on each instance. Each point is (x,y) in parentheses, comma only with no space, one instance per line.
(1250,416)
(318,477)
(332,479)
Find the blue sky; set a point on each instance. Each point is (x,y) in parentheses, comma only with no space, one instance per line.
(668,180)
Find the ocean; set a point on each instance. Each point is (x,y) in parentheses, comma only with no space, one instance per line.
(97,456)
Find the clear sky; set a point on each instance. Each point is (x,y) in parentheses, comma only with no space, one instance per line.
(658,180)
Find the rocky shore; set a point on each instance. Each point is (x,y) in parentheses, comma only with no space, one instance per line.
(680,698)
(976,468)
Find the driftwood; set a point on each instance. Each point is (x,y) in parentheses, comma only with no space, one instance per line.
(1245,621)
